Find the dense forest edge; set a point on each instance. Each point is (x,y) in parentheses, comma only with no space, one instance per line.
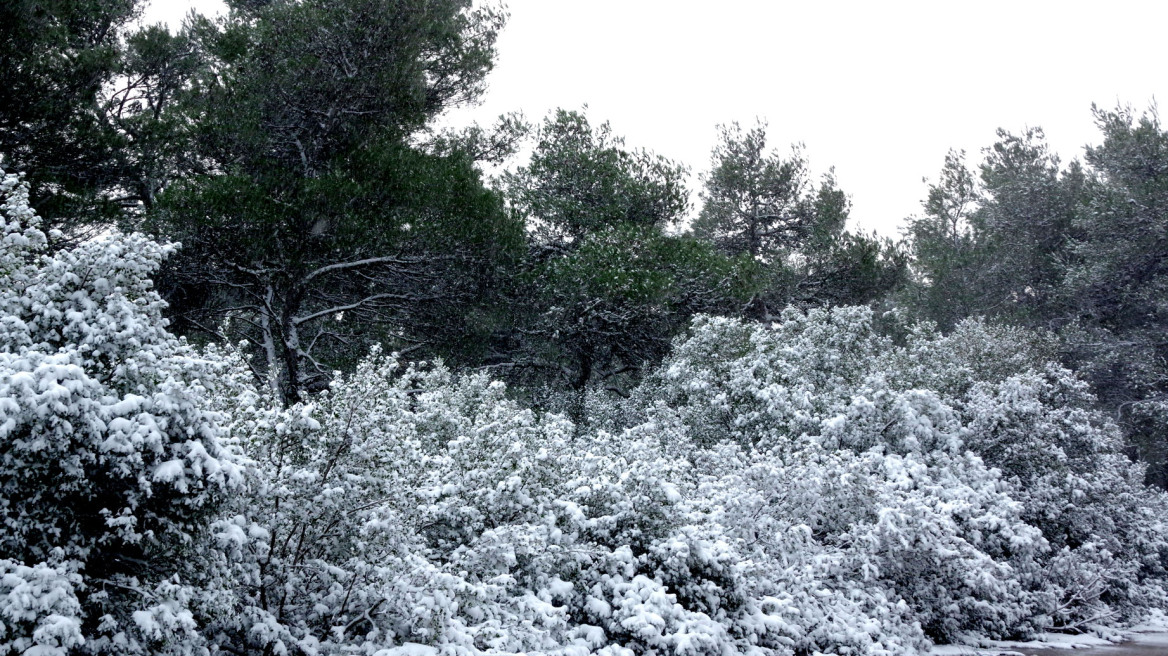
(287,369)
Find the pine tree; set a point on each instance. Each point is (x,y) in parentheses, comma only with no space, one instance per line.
(322,227)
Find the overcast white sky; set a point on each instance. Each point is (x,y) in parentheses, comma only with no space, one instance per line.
(879,90)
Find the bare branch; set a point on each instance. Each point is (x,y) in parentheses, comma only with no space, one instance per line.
(339,266)
(351,306)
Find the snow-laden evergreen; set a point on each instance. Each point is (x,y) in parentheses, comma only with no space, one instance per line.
(786,489)
(415,506)
(110,459)
(1050,523)
(806,487)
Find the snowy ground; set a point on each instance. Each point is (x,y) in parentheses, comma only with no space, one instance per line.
(1147,639)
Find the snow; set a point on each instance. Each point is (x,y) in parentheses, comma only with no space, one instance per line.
(169,471)
(1124,643)
(408,649)
(99,399)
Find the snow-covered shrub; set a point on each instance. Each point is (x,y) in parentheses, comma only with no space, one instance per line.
(1067,468)
(732,380)
(414,506)
(110,461)
(39,609)
(876,474)
(975,351)
(779,490)
(959,472)
(1035,421)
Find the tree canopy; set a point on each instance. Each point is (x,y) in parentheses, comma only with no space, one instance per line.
(322,228)
(759,203)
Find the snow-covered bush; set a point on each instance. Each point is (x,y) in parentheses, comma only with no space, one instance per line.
(39,609)
(877,475)
(1035,421)
(1066,467)
(110,460)
(973,479)
(414,506)
(411,505)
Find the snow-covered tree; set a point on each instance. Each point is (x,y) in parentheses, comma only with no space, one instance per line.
(807,487)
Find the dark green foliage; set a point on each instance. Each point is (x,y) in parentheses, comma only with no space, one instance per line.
(320,227)
(1120,267)
(758,203)
(303,83)
(948,249)
(91,109)
(55,56)
(995,244)
(582,179)
(761,206)
(1078,250)
(396,246)
(614,303)
(157,76)
(849,269)
(493,146)
(605,288)
(1117,280)
(1027,224)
